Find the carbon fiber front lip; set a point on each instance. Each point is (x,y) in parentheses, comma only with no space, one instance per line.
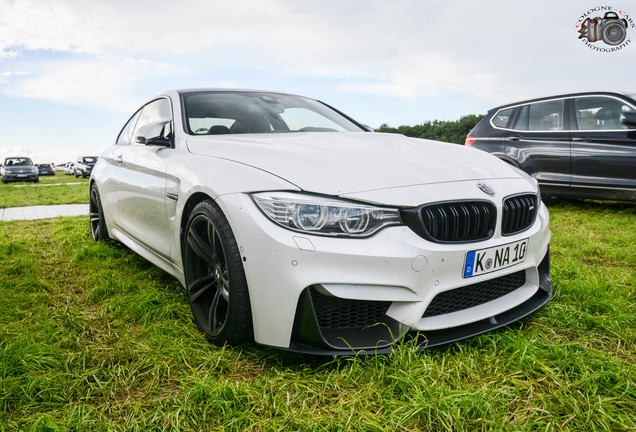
(442,337)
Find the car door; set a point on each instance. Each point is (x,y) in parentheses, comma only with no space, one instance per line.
(539,141)
(603,149)
(139,171)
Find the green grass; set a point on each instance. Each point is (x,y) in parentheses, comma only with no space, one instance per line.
(59,177)
(46,192)
(94,338)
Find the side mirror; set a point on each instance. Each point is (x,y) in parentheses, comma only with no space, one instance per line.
(159,141)
(628,119)
(155,133)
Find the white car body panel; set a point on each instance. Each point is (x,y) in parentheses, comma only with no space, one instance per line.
(357,161)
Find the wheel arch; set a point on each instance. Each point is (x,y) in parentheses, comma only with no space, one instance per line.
(243,328)
(190,204)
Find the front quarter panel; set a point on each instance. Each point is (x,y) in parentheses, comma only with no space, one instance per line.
(193,177)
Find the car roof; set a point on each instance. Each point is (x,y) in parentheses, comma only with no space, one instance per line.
(567,95)
(224,90)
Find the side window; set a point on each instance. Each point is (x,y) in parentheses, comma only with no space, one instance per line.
(502,117)
(522,119)
(544,116)
(156,111)
(125,136)
(600,113)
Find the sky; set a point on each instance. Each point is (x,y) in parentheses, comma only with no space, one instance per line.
(73,71)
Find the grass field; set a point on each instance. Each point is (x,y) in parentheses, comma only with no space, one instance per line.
(93,338)
(48,191)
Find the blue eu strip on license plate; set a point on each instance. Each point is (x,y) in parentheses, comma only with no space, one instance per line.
(495,258)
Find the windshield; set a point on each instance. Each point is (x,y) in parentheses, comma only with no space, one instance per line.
(18,161)
(214,113)
(90,159)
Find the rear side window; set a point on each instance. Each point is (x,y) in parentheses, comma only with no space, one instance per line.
(502,117)
(600,113)
(544,116)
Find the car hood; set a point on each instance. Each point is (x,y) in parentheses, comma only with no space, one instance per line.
(342,163)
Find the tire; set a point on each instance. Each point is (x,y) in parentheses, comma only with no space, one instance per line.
(96,215)
(215,279)
(76,174)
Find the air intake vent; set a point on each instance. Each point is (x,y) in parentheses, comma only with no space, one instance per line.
(334,312)
(453,222)
(474,295)
(519,213)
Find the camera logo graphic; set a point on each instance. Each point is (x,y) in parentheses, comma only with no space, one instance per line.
(610,29)
(605,25)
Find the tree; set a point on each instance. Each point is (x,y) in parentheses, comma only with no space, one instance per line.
(448,131)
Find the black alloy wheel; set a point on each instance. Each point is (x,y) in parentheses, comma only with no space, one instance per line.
(96,215)
(215,279)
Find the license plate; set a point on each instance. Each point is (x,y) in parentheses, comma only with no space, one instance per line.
(23,175)
(495,258)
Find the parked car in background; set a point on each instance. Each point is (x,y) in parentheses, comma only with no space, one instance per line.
(19,169)
(69,168)
(45,169)
(84,166)
(291,224)
(577,145)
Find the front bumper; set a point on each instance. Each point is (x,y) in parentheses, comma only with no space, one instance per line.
(19,177)
(310,337)
(385,283)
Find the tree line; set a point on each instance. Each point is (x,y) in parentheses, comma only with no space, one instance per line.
(448,131)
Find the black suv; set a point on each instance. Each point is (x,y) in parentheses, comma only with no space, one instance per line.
(84,166)
(577,145)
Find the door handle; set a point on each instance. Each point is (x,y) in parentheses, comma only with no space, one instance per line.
(118,159)
(514,138)
(581,139)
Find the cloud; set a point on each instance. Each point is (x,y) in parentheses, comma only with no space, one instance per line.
(88,81)
(6,151)
(403,49)
(5,54)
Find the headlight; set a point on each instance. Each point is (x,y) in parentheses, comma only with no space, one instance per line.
(324,216)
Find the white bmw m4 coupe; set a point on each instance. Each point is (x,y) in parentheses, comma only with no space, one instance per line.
(292,225)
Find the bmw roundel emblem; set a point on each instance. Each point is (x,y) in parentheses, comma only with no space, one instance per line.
(486,189)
